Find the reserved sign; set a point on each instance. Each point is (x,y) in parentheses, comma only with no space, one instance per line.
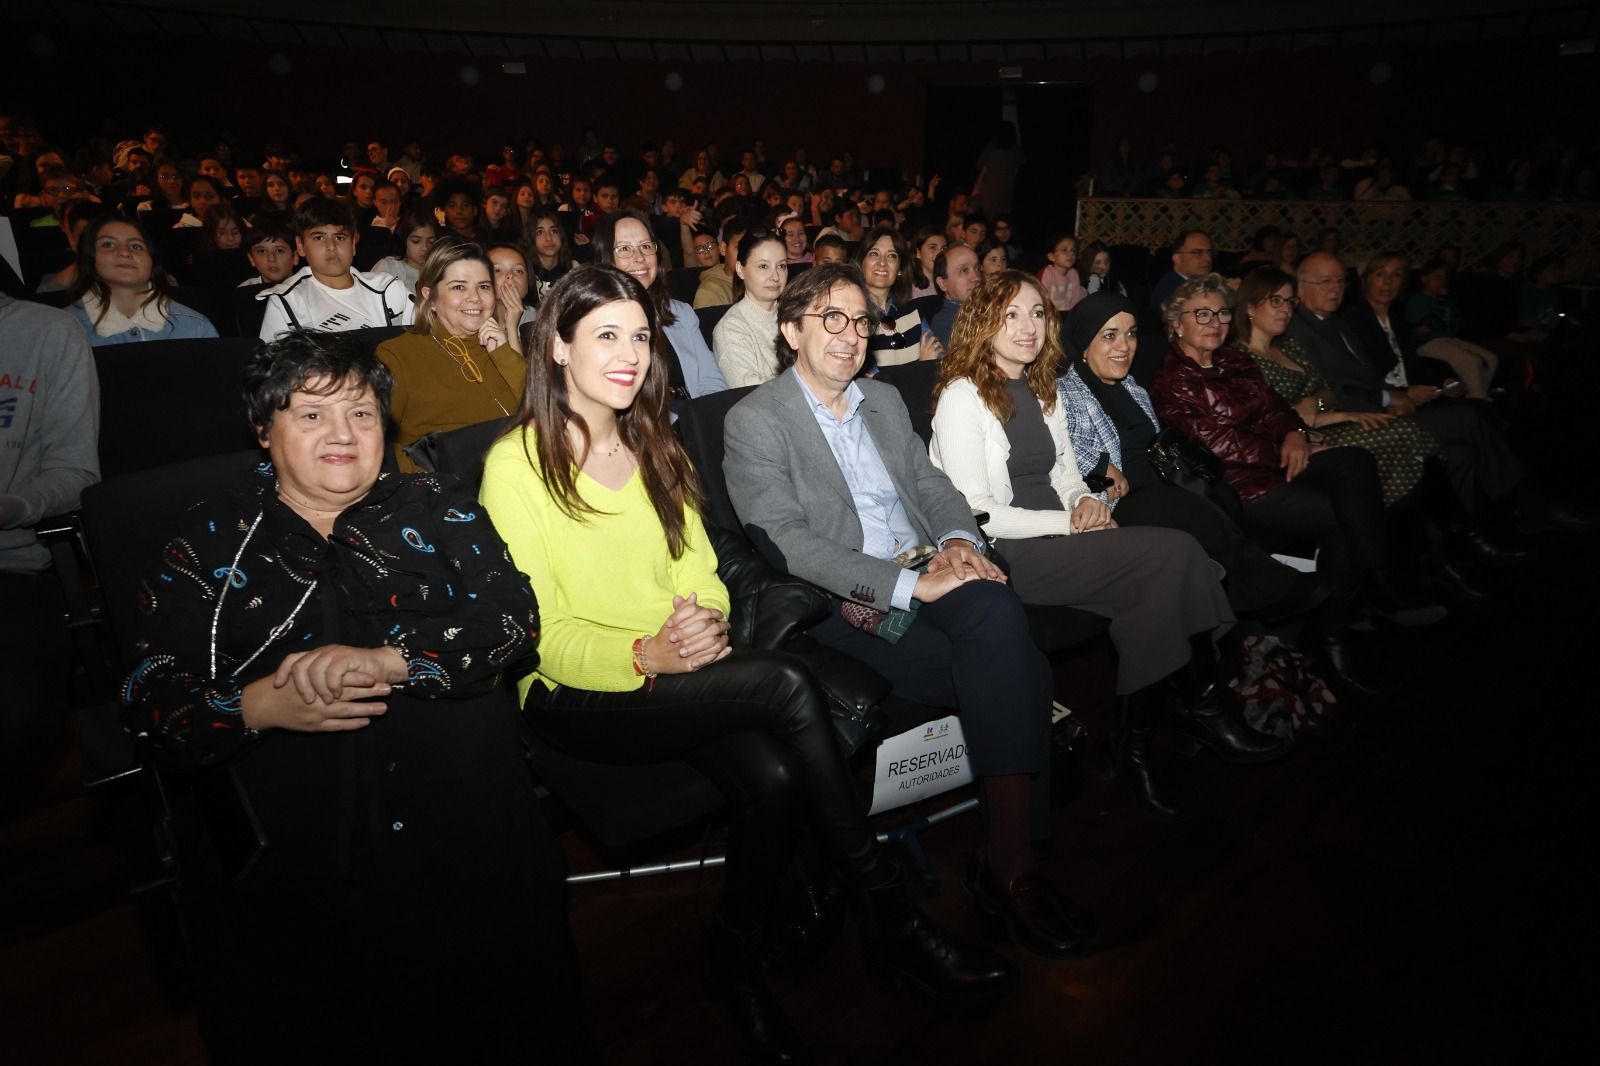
(919,763)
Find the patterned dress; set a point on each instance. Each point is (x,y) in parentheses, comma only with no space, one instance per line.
(1399,447)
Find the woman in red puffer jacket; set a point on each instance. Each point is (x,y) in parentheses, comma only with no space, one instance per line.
(1294,492)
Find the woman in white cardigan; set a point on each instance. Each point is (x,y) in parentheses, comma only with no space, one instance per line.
(1000,434)
(745,340)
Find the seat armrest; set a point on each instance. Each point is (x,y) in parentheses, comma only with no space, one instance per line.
(768,608)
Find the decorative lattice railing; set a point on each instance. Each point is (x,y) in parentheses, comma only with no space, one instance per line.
(1416,229)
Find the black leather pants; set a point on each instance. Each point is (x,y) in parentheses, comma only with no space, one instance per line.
(758,726)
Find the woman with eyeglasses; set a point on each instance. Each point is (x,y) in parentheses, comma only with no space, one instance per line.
(453,367)
(1399,445)
(1112,423)
(1292,491)
(1000,434)
(624,240)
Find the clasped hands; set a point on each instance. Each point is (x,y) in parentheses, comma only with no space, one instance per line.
(956,564)
(317,691)
(692,636)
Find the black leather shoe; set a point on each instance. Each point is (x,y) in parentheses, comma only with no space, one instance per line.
(1453,580)
(1225,734)
(1338,661)
(1204,721)
(1035,914)
(906,947)
(1474,546)
(735,977)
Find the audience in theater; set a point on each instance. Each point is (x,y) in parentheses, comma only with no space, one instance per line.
(1336,418)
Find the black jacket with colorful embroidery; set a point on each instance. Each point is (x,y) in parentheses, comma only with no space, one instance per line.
(416,564)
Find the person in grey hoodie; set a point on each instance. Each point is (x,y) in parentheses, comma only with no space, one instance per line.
(49,452)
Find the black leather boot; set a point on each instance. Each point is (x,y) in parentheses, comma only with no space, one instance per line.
(905,946)
(808,911)
(1205,721)
(1341,669)
(1128,750)
(735,977)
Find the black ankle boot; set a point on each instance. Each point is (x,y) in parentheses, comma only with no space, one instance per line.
(1203,719)
(905,947)
(735,977)
(1128,750)
(1338,662)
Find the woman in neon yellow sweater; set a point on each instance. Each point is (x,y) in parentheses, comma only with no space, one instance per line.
(597,502)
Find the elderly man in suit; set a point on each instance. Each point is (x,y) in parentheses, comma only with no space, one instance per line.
(831,482)
(1476,456)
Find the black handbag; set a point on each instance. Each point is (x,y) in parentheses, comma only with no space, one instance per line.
(1181,460)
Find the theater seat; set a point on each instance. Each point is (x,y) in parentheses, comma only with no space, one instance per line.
(709,317)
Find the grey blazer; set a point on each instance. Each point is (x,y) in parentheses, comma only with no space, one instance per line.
(792,498)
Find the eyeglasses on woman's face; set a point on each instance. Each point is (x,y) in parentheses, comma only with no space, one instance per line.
(1203,316)
(1277,301)
(644,250)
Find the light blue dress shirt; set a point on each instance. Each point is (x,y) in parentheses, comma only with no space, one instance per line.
(886,529)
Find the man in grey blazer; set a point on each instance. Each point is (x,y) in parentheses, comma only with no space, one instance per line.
(830,482)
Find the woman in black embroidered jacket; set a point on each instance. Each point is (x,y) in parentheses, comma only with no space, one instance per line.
(326,649)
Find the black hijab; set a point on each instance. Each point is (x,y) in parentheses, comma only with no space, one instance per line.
(1093,312)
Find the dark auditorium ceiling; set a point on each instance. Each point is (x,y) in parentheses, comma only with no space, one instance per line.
(873,30)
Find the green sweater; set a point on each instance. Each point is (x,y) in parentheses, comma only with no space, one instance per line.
(602,581)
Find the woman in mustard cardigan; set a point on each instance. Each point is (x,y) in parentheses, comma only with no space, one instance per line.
(598,505)
(455,366)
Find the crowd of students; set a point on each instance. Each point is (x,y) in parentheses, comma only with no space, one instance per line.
(587,305)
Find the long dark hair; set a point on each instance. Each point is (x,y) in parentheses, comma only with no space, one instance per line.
(530,250)
(668,478)
(604,240)
(89,279)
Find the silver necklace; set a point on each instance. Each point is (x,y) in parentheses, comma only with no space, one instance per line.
(216,616)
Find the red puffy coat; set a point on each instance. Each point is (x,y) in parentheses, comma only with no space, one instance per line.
(1230,408)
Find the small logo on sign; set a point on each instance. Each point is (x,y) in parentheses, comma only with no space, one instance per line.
(935,732)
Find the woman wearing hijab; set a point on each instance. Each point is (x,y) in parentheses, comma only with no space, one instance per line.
(1111,423)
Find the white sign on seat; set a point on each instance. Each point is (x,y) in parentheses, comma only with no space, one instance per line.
(921,762)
